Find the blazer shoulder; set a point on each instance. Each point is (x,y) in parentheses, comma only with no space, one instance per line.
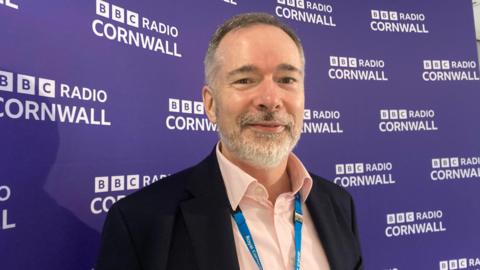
(165,195)
(330,188)
(161,196)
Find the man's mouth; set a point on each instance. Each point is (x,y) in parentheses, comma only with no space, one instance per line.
(271,127)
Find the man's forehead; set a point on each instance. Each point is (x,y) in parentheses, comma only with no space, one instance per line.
(256,43)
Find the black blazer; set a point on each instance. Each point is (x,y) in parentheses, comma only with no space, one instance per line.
(184,222)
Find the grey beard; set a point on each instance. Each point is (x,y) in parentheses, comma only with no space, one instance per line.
(265,150)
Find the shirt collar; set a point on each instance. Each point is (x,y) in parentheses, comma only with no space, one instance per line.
(238,181)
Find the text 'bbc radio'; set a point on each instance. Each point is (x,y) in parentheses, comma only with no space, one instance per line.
(27,97)
(187,115)
(306,12)
(110,189)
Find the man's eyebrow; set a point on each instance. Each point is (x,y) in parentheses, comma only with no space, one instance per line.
(242,69)
(252,68)
(288,67)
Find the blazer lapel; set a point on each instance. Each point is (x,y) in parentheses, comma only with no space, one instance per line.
(326,224)
(207,218)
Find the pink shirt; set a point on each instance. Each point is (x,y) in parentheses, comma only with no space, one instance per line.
(271,225)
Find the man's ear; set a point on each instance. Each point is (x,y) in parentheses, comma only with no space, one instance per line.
(209,103)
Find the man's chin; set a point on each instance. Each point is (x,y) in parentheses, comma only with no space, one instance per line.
(265,154)
(259,149)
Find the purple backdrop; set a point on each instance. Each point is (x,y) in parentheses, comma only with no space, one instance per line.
(101,98)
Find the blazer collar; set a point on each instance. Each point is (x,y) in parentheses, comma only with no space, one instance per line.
(208,219)
(332,234)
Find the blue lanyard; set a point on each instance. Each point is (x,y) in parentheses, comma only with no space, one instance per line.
(247,237)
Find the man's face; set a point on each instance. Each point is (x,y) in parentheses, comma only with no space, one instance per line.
(258,96)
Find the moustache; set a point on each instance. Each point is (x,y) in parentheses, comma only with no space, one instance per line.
(266,118)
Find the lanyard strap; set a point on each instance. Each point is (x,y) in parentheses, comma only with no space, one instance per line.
(247,237)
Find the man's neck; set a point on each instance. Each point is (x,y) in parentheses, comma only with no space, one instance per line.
(275,179)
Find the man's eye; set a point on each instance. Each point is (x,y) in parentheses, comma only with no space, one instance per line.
(243,81)
(287,80)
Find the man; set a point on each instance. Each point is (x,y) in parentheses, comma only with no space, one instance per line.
(250,204)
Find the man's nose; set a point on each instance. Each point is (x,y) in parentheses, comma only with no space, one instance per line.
(268,97)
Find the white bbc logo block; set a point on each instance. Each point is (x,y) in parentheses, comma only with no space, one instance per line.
(343,61)
(101,184)
(117,183)
(173,105)
(281,2)
(349,168)
(103,9)
(453,264)
(400,217)
(393,114)
(410,216)
(402,114)
(462,263)
(301,4)
(384,15)
(307,114)
(359,168)
(186,106)
(436,163)
(444,265)
(427,64)
(6,81)
(375,14)
(46,88)
(391,219)
(352,62)
(437,64)
(384,114)
(445,64)
(334,61)
(454,162)
(393,16)
(118,14)
(132,18)
(340,169)
(291,3)
(25,84)
(133,182)
(197,107)
(445,162)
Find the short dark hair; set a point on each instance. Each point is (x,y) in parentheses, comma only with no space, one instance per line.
(238,22)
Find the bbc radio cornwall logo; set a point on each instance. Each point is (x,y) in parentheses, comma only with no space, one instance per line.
(364,174)
(448,70)
(5,222)
(187,115)
(130,28)
(359,69)
(306,11)
(8,3)
(414,223)
(402,120)
(21,98)
(455,168)
(400,22)
(321,122)
(110,189)
(462,263)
